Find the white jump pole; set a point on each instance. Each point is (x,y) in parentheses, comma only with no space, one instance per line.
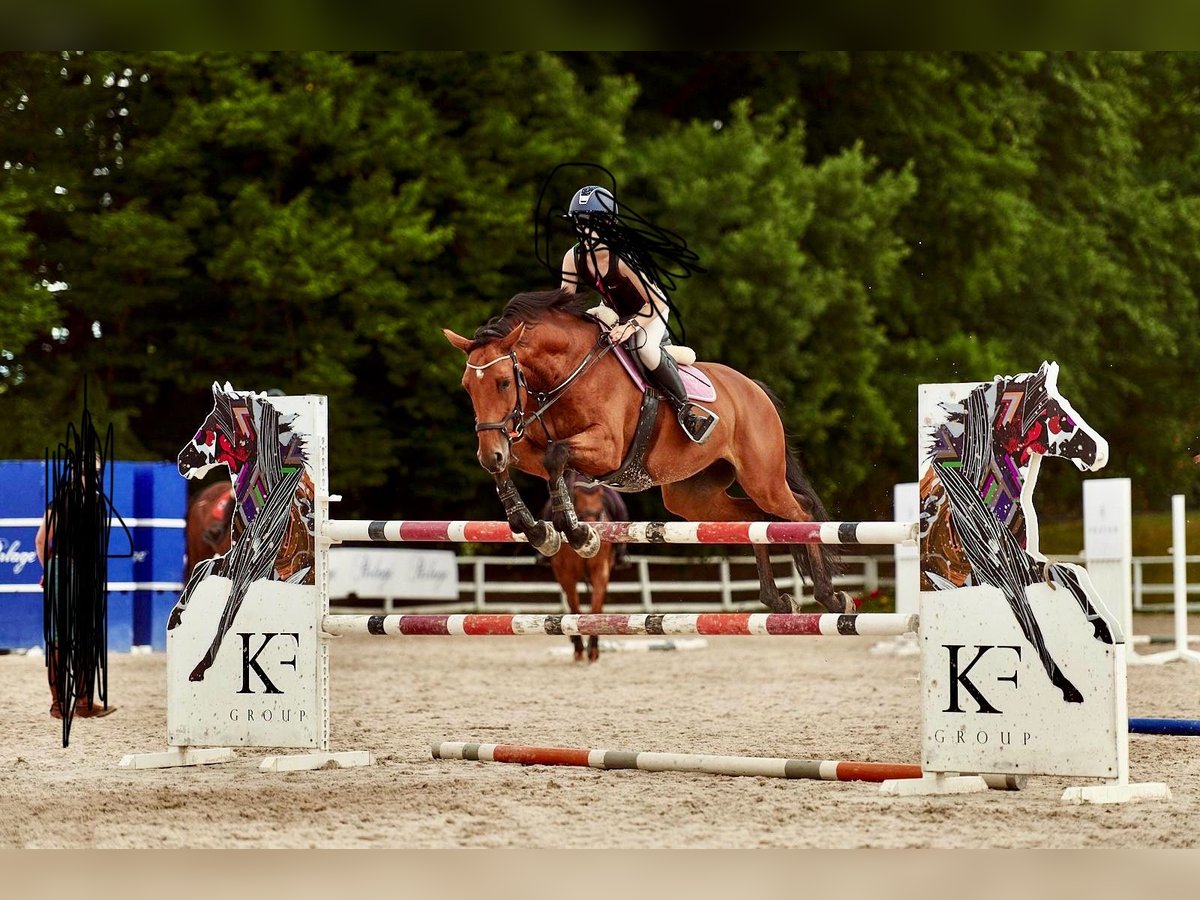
(906,501)
(1108,547)
(1179,566)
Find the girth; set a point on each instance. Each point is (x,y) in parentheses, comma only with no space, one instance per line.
(632,476)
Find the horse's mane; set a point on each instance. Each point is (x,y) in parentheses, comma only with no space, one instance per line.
(528,307)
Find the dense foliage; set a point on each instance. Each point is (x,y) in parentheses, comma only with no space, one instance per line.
(310,221)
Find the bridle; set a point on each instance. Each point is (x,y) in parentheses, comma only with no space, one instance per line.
(514,424)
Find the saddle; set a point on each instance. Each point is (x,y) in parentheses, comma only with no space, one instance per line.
(631,476)
(698,386)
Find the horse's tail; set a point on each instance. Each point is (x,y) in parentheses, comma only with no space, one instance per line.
(799,484)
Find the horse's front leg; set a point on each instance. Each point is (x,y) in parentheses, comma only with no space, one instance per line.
(541,535)
(583,538)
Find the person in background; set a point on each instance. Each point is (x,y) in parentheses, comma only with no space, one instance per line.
(67,541)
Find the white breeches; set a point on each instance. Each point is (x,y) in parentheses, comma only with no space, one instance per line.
(647,342)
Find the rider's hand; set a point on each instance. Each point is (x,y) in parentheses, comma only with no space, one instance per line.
(623,331)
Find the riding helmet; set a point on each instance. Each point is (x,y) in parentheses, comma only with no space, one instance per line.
(592,200)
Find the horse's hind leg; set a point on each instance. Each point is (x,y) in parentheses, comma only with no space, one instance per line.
(703,497)
(583,538)
(813,560)
(1057,574)
(772,493)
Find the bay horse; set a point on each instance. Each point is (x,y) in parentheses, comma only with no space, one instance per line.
(978,524)
(209,529)
(549,395)
(593,503)
(272,534)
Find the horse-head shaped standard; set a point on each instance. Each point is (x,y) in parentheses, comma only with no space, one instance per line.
(978,523)
(1056,429)
(228,436)
(272,527)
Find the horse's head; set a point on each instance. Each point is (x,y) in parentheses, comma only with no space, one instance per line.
(227,437)
(1050,426)
(589,501)
(495,382)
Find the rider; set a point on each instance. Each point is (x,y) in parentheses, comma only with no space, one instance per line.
(640,304)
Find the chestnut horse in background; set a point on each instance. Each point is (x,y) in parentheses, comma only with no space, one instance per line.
(209,525)
(549,396)
(593,503)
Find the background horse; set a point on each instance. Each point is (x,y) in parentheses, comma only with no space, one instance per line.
(209,530)
(978,525)
(549,395)
(272,536)
(593,503)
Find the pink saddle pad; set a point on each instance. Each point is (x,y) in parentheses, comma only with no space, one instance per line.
(698,387)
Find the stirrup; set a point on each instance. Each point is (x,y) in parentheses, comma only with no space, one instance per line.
(707,424)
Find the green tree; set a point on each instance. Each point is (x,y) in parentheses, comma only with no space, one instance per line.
(798,257)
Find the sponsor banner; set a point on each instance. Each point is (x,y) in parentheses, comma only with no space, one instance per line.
(262,689)
(989,704)
(377,573)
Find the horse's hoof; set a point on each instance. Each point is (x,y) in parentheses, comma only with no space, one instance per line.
(848,603)
(197,674)
(780,603)
(590,546)
(790,603)
(1070,692)
(552,542)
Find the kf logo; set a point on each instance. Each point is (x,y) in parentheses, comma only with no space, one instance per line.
(250,661)
(960,676)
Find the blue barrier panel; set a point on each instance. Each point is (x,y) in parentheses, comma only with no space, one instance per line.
(120,621)
(150,617)
(160,508)
(144,566)
(22,502)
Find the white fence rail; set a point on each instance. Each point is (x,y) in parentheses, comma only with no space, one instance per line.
(1142,589)
(501,584)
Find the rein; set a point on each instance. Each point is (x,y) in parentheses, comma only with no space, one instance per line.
(516,422)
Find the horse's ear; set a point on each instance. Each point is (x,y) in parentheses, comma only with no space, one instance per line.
(457,340)
(1050,370)
(216,389)
(510,340)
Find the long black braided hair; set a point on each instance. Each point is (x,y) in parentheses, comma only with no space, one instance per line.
(657,256)
(79,517)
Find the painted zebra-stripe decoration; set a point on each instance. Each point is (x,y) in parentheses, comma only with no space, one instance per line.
(978,524)
(272,537)
(746,624)
(402,531)
(697,763)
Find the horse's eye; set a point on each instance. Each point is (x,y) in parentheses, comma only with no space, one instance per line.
(505,384)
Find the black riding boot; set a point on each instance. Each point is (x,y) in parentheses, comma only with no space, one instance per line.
(668,380)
